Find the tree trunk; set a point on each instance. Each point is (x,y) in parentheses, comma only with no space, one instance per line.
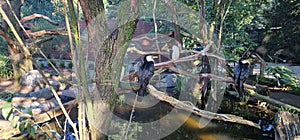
(110,49)
(21,63)
(286,126)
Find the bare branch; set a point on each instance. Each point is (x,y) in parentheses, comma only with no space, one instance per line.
(46,32)
(41,41)
(203,113)
(33,16)
(133,49)
(7,38)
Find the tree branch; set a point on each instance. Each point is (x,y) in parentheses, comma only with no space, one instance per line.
(190,108)
(272,101)
(46,32)
(7,38)
(33,16)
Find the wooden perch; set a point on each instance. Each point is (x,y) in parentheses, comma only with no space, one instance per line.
(33,16)
(206,114)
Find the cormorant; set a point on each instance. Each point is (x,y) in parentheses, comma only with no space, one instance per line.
(205,68)
(241,73)
(146,72)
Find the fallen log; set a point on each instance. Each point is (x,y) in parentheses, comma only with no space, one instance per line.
(272,101)
(190,108)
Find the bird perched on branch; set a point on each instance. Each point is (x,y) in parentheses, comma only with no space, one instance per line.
(241,73)
(145,74)
(205,68)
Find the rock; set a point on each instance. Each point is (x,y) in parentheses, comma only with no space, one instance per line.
(55,85)
(50,104)
(32,79)
(26,89)
(45,93)
(69,92)
(65,99)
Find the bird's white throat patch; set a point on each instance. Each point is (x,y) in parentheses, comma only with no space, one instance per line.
(149,58)
(245,62)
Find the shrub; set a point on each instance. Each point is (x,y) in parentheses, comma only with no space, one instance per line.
(6,70)
(62,64)
(70,65)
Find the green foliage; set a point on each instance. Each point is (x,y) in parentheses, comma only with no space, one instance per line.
(7,110)
(22,119)
(286,109)
(188,43)
(283,27)
(9,113)
(50,8)
(62,64)
(6,70)
(42,25)
(234,53)
(42,65)
(178,83)
(243,19)
(70,65)
(284,75)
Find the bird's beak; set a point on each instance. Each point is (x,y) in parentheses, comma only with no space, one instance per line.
(154,57)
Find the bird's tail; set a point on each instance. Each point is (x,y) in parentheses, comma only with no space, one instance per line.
(140,95)
(241,91)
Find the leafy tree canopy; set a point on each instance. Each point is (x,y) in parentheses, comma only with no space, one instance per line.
(283,21)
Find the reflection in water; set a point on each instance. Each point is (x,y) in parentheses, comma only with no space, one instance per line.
(191,128)
(195,130)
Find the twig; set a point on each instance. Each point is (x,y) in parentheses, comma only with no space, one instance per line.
(130,119)
(46,32)
(133,49)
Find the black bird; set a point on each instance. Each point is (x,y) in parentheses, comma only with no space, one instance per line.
(205,68)
(241,73)
(146,72)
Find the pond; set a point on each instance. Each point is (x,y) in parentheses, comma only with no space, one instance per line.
(162,121)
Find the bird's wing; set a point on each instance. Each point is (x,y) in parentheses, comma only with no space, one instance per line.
(244,73)
(151,70)
(141,73)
